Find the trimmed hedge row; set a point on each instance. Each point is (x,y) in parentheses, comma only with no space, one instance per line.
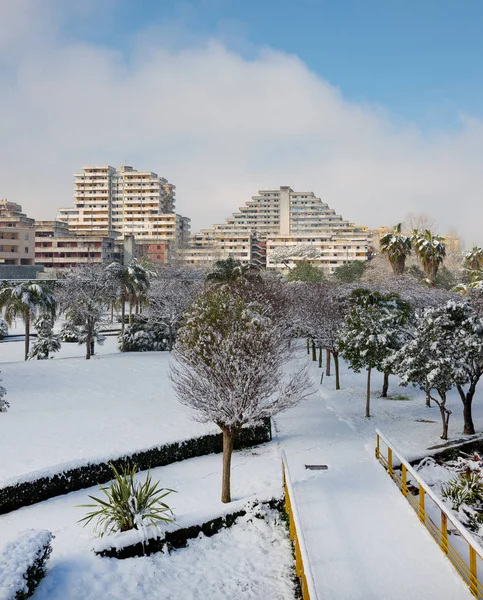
(22,566)
(26,493)
(178,538)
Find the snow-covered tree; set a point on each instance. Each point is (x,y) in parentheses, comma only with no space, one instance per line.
(229,367)
(372,332)
(431,251)
(305,271)
(397,247)
(25,300)
(85,293)
(4,405)
(229,270)
(143,335)
(426,360)
(47,341)
(473,259)
(168,301)
(288,254)
(3,329)
(69,332)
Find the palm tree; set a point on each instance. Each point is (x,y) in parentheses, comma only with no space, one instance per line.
(397,247)
(229,270)
(431,251)
(474,259)
(25,300)
(132,281)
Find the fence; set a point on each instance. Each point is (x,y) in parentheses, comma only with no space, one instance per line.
(302,565)
(430,509)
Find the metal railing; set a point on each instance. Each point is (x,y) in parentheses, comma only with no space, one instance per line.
(430,509)
(302,564)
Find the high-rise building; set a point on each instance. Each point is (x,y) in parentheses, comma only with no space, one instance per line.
(282,218)
(125,202)
(17,235)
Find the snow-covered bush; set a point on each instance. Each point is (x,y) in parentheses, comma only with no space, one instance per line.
(129,504)
(467,488)
(3,329)
(22,564)
(4,405)
(47,341)
(69,332)
(143,336)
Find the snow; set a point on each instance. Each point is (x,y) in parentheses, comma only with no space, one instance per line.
(17,557)
(362,535)
(65,412)
(363,538)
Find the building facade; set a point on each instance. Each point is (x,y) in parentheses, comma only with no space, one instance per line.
(282,218)
(123,202)
(17,235)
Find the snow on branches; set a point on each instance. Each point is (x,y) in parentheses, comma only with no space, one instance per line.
(229,367)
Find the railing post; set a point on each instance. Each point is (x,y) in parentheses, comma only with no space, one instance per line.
(421,504)
(377,446)
(389,461)
(404,488)
(474,575)
(444,533)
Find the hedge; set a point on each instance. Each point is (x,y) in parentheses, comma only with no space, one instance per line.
(178,538)
(22,564)
(26,493)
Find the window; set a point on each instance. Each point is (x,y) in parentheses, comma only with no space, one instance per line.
(26,236)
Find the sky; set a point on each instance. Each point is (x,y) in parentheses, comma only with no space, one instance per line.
(375,105)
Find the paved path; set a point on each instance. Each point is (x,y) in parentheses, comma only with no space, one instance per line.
(364,540)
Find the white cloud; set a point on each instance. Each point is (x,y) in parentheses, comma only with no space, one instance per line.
(218,126)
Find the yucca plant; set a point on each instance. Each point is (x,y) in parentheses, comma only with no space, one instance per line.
(128,504)
(467,488)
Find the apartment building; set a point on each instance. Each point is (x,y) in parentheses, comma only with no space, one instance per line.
(125,202)
(57,248)
(283,218)
(17,236)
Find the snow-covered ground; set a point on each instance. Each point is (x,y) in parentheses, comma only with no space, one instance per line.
(66,411)
(365,541)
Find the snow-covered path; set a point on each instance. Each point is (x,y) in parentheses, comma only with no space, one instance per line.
(364,540)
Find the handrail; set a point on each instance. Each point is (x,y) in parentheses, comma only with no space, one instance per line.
(311,590)
(462,530)
(467,569)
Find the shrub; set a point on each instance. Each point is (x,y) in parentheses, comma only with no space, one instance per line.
(3,329)
(69,333)
(467,489)
(47,341)
(130,504)
(143,336)
(22,565)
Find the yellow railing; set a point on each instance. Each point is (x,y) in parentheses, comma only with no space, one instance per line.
(302,566)
(425,503)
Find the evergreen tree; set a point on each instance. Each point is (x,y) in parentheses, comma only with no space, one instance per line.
(397,247)
(47,341)
(431,251)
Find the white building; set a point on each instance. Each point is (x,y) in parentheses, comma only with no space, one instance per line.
(282,218)
(124,202)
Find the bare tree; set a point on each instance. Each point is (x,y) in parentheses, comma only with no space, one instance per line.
(84,295)
(229,368)
(168,301)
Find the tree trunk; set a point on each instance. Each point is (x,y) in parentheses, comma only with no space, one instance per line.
(320,357)
(88,341)
(314,351)
(112,312)
(308,346)
(336,366)
(123,314)
(92,347)
(170,337)
(445,413)
(385,385)
(368,393)
(467,399)
(228,439)
(130,312)
(327,362)
(428,394)
(27,333)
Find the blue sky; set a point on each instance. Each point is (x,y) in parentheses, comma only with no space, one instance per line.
(421,60)
(377,107)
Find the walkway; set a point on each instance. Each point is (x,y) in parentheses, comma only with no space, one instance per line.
(364,540)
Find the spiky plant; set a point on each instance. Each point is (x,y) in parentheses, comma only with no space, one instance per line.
(128,504)
(474,259)
(397,247)
(467,488)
